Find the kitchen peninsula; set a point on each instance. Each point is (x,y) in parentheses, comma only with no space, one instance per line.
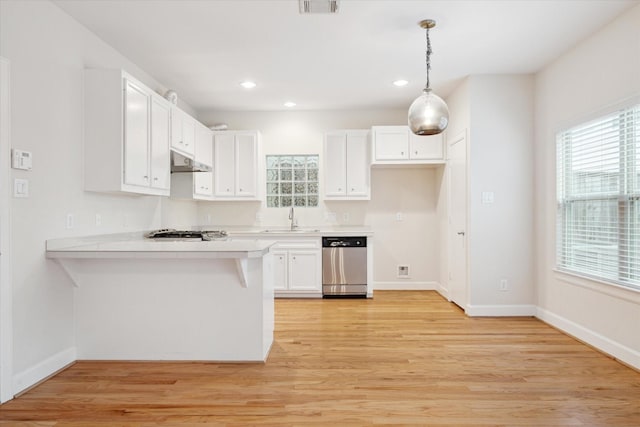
(137,299)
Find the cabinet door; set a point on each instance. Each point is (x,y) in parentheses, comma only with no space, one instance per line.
(304,271)
(176,129)
(358,169)
(160,136)
(224,165)
(203,183)
(279,270)
(204,145)
(136,135)
(391,142)
(426,147)
(335,164)
(189,134)
(246,164)
(183,132)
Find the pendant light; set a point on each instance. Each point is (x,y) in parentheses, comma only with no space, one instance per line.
(428,114)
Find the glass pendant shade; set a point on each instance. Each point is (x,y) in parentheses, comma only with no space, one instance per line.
(428,114)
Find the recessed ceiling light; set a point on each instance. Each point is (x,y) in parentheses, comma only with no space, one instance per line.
(400,83)
(248,84)
(289,104)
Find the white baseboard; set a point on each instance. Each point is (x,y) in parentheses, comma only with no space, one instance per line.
(444,292)
(500,310)
(43,370)
(615,349)
(405,286)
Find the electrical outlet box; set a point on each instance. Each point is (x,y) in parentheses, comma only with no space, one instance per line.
(399,216)
(504,285)
(70,221)
(345,217)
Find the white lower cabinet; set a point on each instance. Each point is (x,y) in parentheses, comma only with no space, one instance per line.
(297,267)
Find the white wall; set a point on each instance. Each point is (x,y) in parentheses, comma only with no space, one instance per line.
(500,234)
(459,103)
(414,192)
(496,113)
(600,72)
(48,51)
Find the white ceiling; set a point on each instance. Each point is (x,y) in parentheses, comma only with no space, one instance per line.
(203,49)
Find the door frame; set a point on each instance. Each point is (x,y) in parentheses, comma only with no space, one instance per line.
(6,291)
(462,138)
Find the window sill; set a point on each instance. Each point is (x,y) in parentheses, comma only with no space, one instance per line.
(607,288)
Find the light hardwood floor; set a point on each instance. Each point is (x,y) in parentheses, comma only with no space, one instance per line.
(403,358)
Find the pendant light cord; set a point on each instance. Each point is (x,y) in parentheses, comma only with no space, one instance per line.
(428,59)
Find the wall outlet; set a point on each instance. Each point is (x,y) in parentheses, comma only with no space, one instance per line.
(399,216)
(98,220)
(487,197)
(504,285)
(403,272)
(70,221)
(345,217)
(20,188)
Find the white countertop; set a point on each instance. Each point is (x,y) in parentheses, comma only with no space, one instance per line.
(303,231)
(136,245)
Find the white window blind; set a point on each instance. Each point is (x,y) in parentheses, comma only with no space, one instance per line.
(598,188)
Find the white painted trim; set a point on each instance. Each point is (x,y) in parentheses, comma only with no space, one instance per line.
(501,310)
(294,294)
(600,342)
(607,288)
(43,370)
(443,291)
(6,287)
(405,286)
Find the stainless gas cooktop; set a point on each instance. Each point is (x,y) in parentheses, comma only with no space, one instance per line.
(187,235)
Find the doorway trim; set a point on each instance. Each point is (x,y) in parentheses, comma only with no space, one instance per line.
(459,138)
(6,291)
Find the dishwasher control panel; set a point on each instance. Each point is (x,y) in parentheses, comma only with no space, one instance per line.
(344,242)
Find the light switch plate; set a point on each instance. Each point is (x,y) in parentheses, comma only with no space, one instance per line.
(21,159)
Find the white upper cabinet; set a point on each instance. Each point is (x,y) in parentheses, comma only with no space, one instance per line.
(183,132)
(126,135)
(397,145)
(235,157)
(426,147)
(346,165)
(136,134)
(160,137)
(204,145)
(196,185)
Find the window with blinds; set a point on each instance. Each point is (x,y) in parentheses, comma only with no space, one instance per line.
(598,188)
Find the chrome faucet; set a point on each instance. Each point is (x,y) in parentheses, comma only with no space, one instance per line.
(292,217)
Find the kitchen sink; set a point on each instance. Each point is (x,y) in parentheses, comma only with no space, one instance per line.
(295,230)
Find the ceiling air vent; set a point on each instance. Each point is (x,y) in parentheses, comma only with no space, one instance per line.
(318,6)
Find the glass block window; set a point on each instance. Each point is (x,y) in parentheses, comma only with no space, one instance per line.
(292,180)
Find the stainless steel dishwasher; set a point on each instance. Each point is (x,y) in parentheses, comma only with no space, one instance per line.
(344,267)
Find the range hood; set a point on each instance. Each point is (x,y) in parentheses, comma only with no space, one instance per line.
(182,163)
